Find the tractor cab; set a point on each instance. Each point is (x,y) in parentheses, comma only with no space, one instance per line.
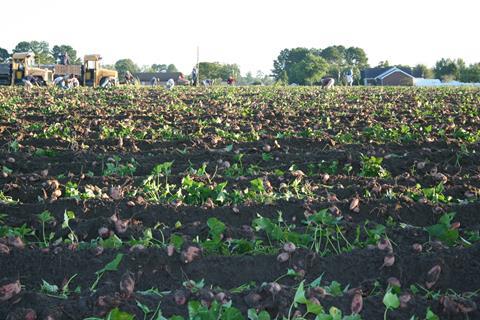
(94,75)
(23,64)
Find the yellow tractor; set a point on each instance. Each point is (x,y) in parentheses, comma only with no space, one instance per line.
(89,74)
(23,65)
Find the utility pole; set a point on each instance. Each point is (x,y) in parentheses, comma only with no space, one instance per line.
(198,64)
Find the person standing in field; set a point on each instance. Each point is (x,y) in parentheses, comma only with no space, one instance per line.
(328,82)
(349,77)
(153,82)
(129,78)
(194,76)
(170,84)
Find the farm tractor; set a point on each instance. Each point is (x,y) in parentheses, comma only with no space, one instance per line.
(90,74)
(22,65)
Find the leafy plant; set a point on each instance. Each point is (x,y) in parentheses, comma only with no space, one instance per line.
(443,230)
(111,266)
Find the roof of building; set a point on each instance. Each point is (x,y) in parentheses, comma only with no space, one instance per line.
(161,76)
(392,70)
(371,73)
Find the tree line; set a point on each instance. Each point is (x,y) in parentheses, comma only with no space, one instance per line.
(302,66)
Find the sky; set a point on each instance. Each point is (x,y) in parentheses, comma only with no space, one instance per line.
(250,33)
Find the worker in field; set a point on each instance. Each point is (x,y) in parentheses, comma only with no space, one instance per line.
(194,76)
(29,82)
(129,78)
(65,59)
(73,82)
(327,82)
(231,81)
(349,77)
(153,82)
(170,84)
(61,81)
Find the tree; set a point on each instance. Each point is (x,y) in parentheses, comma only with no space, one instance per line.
(4,55)
(310,70)
(471,74)
(448,69)
(383,64)
(171,68)
(41,49)
(58,51)
(216,70)
(422,71)
(124,65)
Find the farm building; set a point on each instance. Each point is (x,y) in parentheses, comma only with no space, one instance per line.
(389,76)
(145,78)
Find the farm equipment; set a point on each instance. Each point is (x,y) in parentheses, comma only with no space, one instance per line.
(90,73)
(22,65)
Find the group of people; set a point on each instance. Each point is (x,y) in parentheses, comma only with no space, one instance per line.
(66,82)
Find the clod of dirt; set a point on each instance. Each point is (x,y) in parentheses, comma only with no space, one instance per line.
(131,203)
(11,160)
(455,225)
(405,299)
(180,296)
(335,211)
(116,192)
(394,282)
(432,276)
(97,251)
(9,289)
(385,244)
(253,299)
(22,314)
(283,257)
(357,303)
(388,261)
(289,247)
(137,248)
(325,178)
(44,173)
(417,247)
(298,174)
(421,165)
(16,242)
(332,197)
(206,296)
(121,225)
(170,250)
(457,304)
(190,254)
(355,205)
(127,284)
(108,302)
(4,249)
(53,184)
(222,297)
(440,177)
(103,232)
(267,148)
(274,288)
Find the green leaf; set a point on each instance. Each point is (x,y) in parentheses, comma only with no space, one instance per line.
(447,218)
(116,314)
(300,294)
(217,227)
(431,316)
(314,308)
(232,314)
(49,288)
(112,265)
(335,313)
(391,301)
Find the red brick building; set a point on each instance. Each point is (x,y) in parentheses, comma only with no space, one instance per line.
(390,76)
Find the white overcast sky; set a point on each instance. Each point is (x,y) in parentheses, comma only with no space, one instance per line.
(248,32)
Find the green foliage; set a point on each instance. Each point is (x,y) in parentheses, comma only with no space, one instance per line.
(59,50)
(41,49)
(216,70)
(372,167)
(111,266)
(124,65)
(443,229)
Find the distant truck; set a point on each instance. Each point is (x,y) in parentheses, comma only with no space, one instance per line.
(22,65)
(90,73)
